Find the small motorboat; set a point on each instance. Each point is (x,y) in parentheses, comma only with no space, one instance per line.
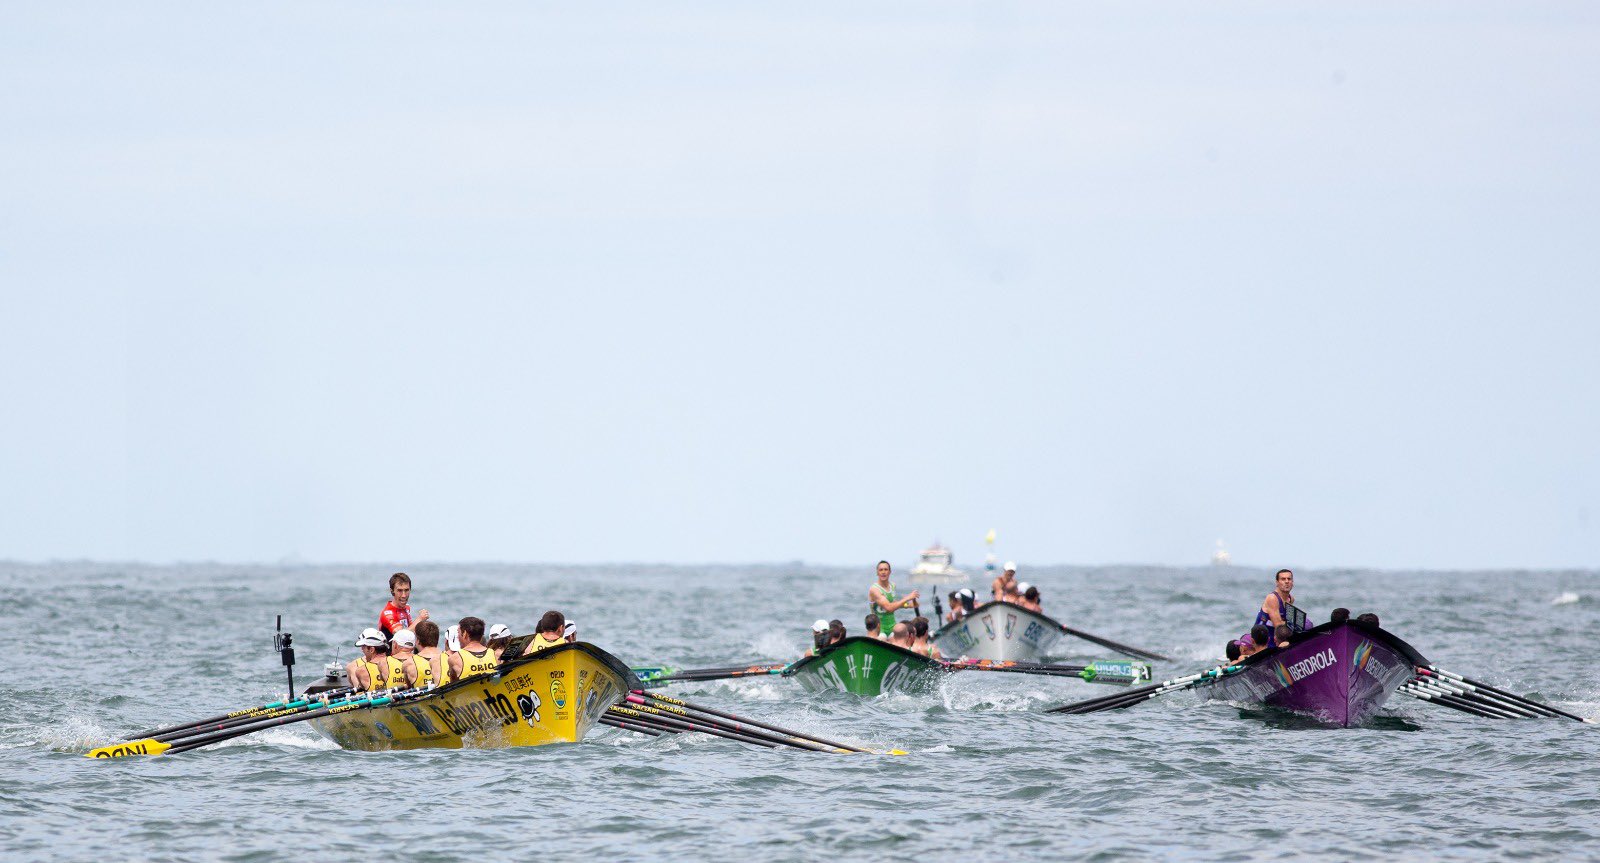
(935,567)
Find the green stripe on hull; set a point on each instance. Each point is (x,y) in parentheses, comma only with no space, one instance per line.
(866,666)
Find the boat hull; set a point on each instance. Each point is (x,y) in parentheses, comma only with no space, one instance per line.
(866,666)
(554,696)
(1340,674)
(1000,632)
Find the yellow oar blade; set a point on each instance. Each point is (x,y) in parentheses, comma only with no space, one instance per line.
(132,747)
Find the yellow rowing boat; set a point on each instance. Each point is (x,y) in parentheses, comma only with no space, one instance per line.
(553,696)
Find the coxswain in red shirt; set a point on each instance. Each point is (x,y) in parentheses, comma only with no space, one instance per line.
(397,614)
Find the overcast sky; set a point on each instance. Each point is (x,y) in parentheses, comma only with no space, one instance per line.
(822,281)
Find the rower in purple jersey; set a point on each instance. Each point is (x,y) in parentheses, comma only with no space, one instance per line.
(1274,608)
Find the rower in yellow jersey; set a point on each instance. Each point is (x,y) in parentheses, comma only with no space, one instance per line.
(550,632)
(429,667)
(402,652)
(367,672)
(475,657)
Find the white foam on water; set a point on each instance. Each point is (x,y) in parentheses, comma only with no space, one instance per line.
(74,734)
(1567,598)
(769,689)
(774,643)
(289,737)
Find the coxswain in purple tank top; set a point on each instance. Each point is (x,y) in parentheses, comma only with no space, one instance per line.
(1283,593)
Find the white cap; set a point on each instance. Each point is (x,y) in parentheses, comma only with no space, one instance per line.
(965,591)
(1010,567)
(371,638)
(452,636)
(405,638)
(1022,587)
(499,630)
(820,626)
(570,630)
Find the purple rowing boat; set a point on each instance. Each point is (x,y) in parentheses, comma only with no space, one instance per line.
(1339,673)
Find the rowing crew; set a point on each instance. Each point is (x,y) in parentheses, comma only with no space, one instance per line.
(1261,637)
(910,634)
(404,653)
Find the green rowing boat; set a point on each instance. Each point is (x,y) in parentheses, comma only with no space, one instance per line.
(866,666)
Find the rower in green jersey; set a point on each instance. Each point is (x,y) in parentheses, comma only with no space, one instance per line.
(884,601)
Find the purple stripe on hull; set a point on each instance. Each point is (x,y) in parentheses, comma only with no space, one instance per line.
(1340,675)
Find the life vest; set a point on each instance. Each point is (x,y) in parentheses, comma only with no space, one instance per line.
(474,664)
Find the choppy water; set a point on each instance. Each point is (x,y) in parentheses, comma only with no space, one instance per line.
(124,648)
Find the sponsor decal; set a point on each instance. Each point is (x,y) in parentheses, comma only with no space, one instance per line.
(893,675)
(988,624)
(1362,654)
(494,711)
(1305,667)
(558,693)
(125,749)
(964,639)
(418,720)
(1011,626)
(1120,670)
(384,730)
(528,705)
(600,696)
(1032,633)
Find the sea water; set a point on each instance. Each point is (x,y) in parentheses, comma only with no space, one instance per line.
(97,651)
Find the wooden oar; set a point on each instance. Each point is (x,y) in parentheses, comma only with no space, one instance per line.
(726,674)
(628,726)
(1112,645)
(1545,709)
(157,747)
(711,727)
(770,727)
(735,727)
(162,733)
(211,724)
(1445,700)
(1120,700)
(1430,691)
(1119,673)
(289,709)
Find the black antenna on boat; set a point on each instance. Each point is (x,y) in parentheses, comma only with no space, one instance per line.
(283,642)
(937,608)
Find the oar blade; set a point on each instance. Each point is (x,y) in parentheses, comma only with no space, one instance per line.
(132,747)
(1117,672)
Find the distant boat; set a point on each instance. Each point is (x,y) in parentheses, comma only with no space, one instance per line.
(1566,598)
(935,566)
(1221,557)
